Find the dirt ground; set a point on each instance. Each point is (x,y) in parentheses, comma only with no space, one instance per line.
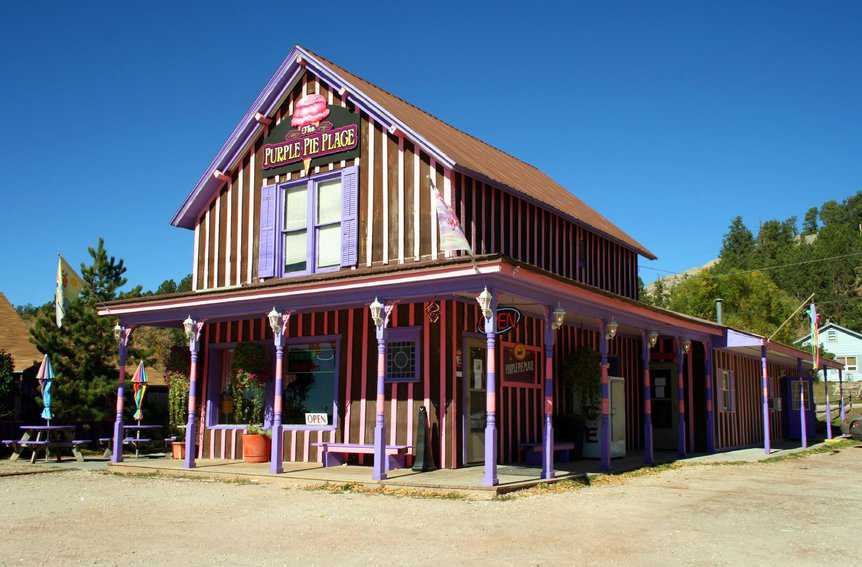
(797,511)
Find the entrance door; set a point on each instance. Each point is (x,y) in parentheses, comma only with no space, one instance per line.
(664,416)
(475,381)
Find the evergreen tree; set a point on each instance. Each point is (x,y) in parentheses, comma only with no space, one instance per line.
(809,225)
(83,352)
(737,248)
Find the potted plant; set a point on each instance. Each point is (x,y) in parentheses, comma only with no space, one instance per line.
(178,402)
(256,444)
(247,395)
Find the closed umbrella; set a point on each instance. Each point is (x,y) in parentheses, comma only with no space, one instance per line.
(139,387)
(46,379)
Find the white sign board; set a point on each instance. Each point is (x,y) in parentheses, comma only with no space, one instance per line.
(316,419)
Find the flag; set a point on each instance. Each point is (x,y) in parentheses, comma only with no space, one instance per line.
(69,285)
(451,235)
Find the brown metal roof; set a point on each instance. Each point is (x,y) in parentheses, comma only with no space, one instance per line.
(14,337)
(475,156)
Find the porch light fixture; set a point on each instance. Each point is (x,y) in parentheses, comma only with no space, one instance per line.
(484,300)
(189,327)
(117,331)
(653,338)
(274,321)
(686,346)
(612,328)
(559,317)
(376,312)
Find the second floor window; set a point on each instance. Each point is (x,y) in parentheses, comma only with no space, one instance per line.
(309,225)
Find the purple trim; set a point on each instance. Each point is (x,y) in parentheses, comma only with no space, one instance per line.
(605,423)
(275,461)
(710,400)
(649,452)
(828,409)
(404,334)
(764,385)
(335,398)
(680,400)
(117,444)
(378,471)
(548,431)
(491,398)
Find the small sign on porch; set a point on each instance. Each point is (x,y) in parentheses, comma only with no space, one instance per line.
(316,419)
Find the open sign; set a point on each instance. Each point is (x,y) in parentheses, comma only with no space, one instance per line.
(316,419)
(507,319)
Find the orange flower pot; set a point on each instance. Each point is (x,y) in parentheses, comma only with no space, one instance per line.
(178,450)
(256,448)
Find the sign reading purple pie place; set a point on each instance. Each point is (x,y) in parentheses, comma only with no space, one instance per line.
(314,135)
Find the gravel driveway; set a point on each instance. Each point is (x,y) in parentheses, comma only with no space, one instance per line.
(799,511)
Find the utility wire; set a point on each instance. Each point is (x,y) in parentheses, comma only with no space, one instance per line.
(737,272)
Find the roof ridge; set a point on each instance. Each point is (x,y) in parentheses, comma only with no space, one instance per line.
(422,110)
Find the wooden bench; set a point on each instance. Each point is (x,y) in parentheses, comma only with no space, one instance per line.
(135,442)
(533,452)
(332,453)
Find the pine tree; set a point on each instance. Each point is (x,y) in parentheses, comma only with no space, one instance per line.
(809,225)
(737,248)
(83,352)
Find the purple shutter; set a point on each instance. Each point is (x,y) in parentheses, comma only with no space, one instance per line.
(349,215)
(266,250)
(732,392)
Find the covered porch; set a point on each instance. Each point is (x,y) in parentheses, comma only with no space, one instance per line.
(486,285)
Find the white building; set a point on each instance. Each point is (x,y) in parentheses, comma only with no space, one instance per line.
(845,344)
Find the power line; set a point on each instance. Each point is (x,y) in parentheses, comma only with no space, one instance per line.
(737,272)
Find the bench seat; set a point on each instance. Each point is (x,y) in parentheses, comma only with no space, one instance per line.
(533,452)
(395,454)
(27,443)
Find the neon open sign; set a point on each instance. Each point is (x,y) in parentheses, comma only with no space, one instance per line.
(507,319)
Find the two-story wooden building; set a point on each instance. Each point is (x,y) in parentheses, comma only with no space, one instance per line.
(315,233)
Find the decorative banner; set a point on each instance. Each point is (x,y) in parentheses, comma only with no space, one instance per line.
(507,319)
(316,134)
(451,235)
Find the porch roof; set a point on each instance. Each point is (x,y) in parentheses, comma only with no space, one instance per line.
(749,343)
(531,289)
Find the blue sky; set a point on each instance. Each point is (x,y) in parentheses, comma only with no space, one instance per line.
(669,118)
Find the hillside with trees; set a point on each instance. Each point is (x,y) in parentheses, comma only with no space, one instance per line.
(763,277)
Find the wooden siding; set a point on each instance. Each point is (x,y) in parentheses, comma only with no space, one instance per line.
(396,219)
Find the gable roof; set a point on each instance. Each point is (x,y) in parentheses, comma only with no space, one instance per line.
(831,325)
(447,144)
(15,338)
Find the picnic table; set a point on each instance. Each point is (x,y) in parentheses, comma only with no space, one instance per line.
(131,436)
(47,437)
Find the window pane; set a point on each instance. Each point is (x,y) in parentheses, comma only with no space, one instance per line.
(329,201)
(308,384)
(295,251)
(329,246)
(400,360)
(295,208)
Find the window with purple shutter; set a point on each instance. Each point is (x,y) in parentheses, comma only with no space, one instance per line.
(309,225)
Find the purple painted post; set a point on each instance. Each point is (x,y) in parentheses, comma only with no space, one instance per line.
(764,385)
(803,427)
(276,464)
(710,399)
(605,427)
(193,333)
(680,397)
(548,436)
(117,443)
(378,471)
(828,409)
(649,453)
(491,400)
(841,394)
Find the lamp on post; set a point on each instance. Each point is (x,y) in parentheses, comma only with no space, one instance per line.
(653,338)
(484,299)
(686,346)
(192,330)
(559,317)
(189,327)
(277,322)
(611,329)
(121,334)
(377,312)
(380,315)
(118,331)
(486,306)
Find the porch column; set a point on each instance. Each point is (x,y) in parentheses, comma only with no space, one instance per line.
(380,315)
(764,385)
(710,399)
(649,454)
(680,398)
(803,428)
(841,395)
(828,409)
(122,334)
(489,313)
(193,333)
(278,323)
(605,427)
(548,435)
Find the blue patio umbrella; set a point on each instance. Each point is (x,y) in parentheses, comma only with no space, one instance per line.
(46,380)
